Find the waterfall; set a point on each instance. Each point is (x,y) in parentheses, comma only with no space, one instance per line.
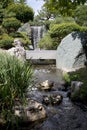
(37,33)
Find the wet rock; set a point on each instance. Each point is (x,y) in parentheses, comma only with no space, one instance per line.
(59,86)
(35,111)
(52,99)
(75,86)
(56,99)
(46,100)
(46,85)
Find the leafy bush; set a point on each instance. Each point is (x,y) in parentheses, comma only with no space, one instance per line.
(15,78)
(60,19)
(67,78)
(46,43)
(6,41)
(2,30)
(59,31)
(24,38)
(23,12)
(11,24)
(1,14)
(80,15)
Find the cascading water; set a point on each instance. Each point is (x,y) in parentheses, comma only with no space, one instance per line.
(37,33)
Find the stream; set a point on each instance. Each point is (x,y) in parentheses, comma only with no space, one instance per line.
(66,115)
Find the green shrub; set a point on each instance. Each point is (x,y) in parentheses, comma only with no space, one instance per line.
(11,24)
(80,15)
(2,30)
(24,38)
(15,78)
(23,12)
(1,14)
(60,19)
(15,34)
(59,31)
(46,43)
(6,41)
(66,78)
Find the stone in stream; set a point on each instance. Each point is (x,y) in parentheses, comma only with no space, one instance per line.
(33,112)
(72,52)
(46,85)
(52,99)
(75,87)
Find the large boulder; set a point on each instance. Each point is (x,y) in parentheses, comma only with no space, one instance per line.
(25,28)
(35,111)
(71,53)
(18,50)
(46,85)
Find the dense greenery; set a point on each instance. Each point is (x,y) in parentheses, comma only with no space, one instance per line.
(13,14)
(23,12)
(80,15)
(6,41)
(11,24)
(57,32)
(46,42)
(15,78)
(62,7)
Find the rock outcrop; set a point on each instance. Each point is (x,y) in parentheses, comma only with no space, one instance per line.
(18,50)
(25,28)
(71,53)
(46,85)
(33,112)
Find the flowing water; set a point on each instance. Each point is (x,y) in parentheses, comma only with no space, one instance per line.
(37,33)
(66,115)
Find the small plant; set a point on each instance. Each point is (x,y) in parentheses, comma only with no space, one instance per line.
(15,78)
(6,41)
(46,43)
(11,24)
(67,78)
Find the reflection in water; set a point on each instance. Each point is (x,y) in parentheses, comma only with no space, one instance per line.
(47,72)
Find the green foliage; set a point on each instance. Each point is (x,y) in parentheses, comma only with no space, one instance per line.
(5,3)
(60,19)
(66,78)
(80,15)
(46,43)
(1,14)
(23,12)
(24,38)
(6,41)
(62,7)
(11,24)
(59,31)
(62,30)
(2,30)
(15,78)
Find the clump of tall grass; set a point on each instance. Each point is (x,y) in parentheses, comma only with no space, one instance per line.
(15,78)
